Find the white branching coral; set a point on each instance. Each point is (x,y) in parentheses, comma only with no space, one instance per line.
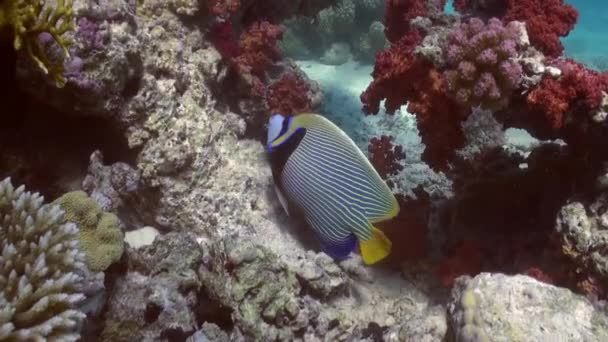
(40,269)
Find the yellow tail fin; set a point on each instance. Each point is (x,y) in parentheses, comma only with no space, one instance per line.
(376,248)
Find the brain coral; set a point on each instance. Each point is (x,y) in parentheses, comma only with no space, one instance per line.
(40,269)
(480,60)
(100,235)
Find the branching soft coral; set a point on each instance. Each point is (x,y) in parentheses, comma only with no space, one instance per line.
(29,19)
(577,91)
(385,156)
(482,70)
(258,48)
(223,8)
(394,76)
(289,95)
(398,14)
(402,78)
(546,21)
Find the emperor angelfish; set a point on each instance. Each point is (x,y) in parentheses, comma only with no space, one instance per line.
(320,173)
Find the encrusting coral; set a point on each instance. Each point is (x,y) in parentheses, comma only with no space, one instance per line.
(100,235)
(32,23)
(41,269)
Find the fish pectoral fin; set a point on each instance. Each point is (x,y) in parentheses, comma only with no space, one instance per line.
(282,199)
(376,248)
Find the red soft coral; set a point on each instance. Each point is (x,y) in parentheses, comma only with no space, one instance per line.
(394,75)
(439,117)
(401,78)
(577,90)
(385,155)
(223,37)
(409,229)
(398,14)
(258,48)
(289,95)
(465,259)
(223,8)
(546,21)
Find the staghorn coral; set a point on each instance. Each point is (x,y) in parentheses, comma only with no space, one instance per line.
(41,269)
(30,21)
(100,235)
(482,70)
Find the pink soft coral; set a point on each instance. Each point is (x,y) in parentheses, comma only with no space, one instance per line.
(482,70)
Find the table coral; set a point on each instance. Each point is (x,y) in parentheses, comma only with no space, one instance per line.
(40,269)
(100,235)
(482,70)
(30,20)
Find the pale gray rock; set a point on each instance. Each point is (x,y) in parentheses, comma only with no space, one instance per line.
(498,307)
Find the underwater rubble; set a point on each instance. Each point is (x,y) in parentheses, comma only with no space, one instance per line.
(142,121)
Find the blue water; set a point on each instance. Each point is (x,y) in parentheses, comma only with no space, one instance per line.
(588,42)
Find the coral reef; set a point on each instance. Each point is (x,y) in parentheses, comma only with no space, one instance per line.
(348,23)
(41,269)
(100,235)
(210,252)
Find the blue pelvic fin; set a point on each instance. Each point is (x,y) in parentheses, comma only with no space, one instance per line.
(340,250)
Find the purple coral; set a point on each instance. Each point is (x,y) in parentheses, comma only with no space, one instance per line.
(481,67)
(90,35)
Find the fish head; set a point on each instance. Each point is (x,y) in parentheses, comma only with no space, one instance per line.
(278,126)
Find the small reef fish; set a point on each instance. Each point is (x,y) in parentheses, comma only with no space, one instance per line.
(321,175)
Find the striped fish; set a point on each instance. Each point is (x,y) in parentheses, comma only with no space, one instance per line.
(322,175)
